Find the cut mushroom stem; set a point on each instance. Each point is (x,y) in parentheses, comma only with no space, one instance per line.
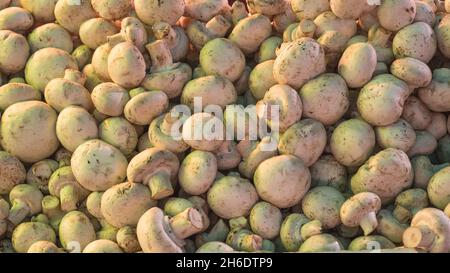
(68,197)
(310,229)
(369,223)
(18,211)
(160,55)
(160,184)
(218,26)
(418,237)
(186,223)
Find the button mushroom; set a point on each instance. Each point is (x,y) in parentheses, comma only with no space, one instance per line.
(25,200)
(361,210)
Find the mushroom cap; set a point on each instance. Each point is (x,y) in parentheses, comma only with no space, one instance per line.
(71,16)
(63,177)
(76,231)
(75,126)
(393,15)
(412,71)
(26,234)
(4,209)
(42,10)
(231,197)
(358,206)
(120,133)
(145,107)
(435,95)
(399,135)
(357,58)
(153,233)
(126,65)
(123,204)
(110,99)
(228,157)
(214,247)
(371,242)
(150,161)
(390,227)
(282,180)
(11,93)
(94,32)
(250,32)
(25,119)
(328,172)
(439,188)
(152,11)
(385,174)
(44,247)
(102,246)
(323,204)
(112,9)
(203,131)
(321,243)
(265,220)
(50,35)
(197,172)
(98,165)
(40,172)
(12,170)
(417,41)
(93,204)
(31,195)
(412,199)
(159,139)
(15,52)
(171,81)
(127,239)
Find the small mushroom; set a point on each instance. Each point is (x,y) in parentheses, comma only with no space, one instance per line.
(120,133)
(25,200)
(399,135)
(52,209)
(102,246)
(361,210)
(28,233)
(158,233)
(156,168)
(40,172)
(16,52)
(408,203)
(123,204)
(110,99)
(430,229)
(228,156)
(76,231)
(254,153)
(152,11)
(11,93)
(390,227)
(64,185)
(198,182)
(439,188)
(127,240)
(328,172)
(143,108)
(265,220)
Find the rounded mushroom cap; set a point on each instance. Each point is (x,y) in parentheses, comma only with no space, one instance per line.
(380,101)
(231,197)
(346,9)
(126,65)
(435,96)
(16,19)
(265,220)
(94,32)
(50,35)
(352,142)
(417,41)
(40,172)
(327,171)
(390,227)
(250,32)
(29,194)
(328,21)
(61,93)
(412,71)
(372,242)
(197,172)
(306,140)
(153,233)
(152,11)
(261,79)
(413,200)
(170,81)
(127,239)
(282,180)
(15,52)
(98,165)
(71,16)
(268,8)
(305,9)
(75,126)
(143,108)
(321,243)
(42,10)
(222,57)
(11,93)
(399,135)
(93,204)
(76,231)
(25,119)
(120,133)
(356,58)
(358,206)
(289,65)
(112,9)
(323,204)
(28,233)
(63,177)
(439,188)
(416,113)
(215,247)
(102,246)
(47,64)
(203,131)
(44,247)
(267,49)
(150,161)
(393,15)
(123,204)
(385,174)
(228,157)
(289,103)
(110,99)
(158,138)
(12,170)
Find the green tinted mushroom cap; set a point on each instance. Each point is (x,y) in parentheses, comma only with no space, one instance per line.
(76,231)
(24,119)
(399,135)
(50,35)
(199,181)
(321,243)
(439,188)
(282,180)
(120,133)
(102,246)
(390,227)
(323,204)
(11,93)
(265,220)
(28,233)
(370,243)
(328,172)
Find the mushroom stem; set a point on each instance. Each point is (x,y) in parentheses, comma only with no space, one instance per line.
(168,122)
(238,12)
(418,237)
(369,223)
(160,185)
(115,39)
(310,229)
(251,242)
(218,26)
(68,197)
(75,76)
(18,211)
(186,223)
(160,55)
(401,214)
(50,206)
(164,31)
